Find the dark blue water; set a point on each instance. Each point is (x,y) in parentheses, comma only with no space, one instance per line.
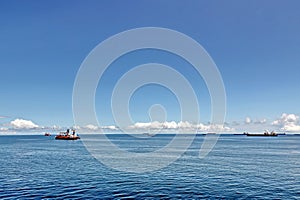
(239,167)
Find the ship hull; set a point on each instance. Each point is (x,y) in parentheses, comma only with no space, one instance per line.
(262,135)
(66,138)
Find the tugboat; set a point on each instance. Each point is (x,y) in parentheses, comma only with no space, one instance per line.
(67,136)
(265,134)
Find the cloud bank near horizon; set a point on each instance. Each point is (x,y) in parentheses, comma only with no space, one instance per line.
(286,122)
(179,126)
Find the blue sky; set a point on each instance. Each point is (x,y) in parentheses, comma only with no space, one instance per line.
(255,44)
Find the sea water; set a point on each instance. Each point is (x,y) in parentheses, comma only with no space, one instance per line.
(238,167)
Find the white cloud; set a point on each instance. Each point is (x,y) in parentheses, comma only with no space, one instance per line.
(251,123)
(3,129)
(182,126)
(112,128)
(262,121)
(288,122)
(154,125)
(23,124)
(94,128)
(285,119)
(291,128)
(248,120)
(76,127)
(91,127)
(55,127)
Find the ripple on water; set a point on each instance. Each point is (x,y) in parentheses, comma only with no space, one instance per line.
(238,168)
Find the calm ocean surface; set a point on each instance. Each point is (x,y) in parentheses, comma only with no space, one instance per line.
(239,167)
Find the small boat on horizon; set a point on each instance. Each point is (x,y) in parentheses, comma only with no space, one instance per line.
(47,134)
(148,134)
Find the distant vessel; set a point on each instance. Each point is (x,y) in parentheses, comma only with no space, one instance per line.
(210,133)
(47,134)
(67,135)
(148,134)
(265,134)
(281,133)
